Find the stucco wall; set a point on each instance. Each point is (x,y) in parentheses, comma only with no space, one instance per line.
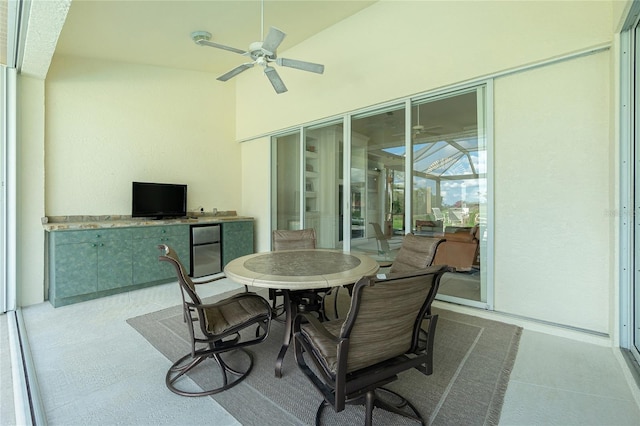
(397,48)
(30,158)
(553,178)
(109,124)
(256,189)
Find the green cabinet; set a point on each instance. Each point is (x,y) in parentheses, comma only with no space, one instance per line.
(92,263)
(88,261)
(237,240)
(76,269)
(146,266)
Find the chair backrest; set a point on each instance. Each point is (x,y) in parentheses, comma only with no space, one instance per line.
(457,215)
(416,252)
(383,244)
(284,239)
(386,314)
(186,284)
(437,214)
(461,248)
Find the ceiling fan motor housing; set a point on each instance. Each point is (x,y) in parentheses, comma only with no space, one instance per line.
(256,51)
(198,36)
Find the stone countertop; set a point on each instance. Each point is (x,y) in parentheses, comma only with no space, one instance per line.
(67,223)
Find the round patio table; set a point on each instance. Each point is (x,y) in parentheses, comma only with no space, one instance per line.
(295,270)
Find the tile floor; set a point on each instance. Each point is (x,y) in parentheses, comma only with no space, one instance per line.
(94,369)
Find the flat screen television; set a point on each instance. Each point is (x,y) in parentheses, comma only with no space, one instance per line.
(158,200)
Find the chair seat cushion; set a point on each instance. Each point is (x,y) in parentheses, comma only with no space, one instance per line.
(324,348)
(234,312)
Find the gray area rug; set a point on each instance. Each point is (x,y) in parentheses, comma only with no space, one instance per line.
(473,358)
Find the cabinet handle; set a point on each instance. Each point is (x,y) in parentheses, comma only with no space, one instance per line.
(163,231)
(94,245)
(101,244)
(97,235)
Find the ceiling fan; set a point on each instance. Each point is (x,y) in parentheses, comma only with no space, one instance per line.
(418,129)
(262,53)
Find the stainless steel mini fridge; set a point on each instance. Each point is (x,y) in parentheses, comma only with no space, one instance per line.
(206,254)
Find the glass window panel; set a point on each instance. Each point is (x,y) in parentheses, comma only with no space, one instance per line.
(322,151)
(286,181)
(449,184)
(377,181)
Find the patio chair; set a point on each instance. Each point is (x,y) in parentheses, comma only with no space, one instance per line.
(299,239)
(460,249)
(381,239)
(352,359)
(387,246)
(457,216)
(437,214)
(217,332)
(416,252)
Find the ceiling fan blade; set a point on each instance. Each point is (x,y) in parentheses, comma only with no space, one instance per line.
(237,70)
(273,40)
(275,79)
(301,65)
(221,46)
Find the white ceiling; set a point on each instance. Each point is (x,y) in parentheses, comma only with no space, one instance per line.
(157,32)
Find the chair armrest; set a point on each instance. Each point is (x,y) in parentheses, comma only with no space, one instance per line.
(315,323)
(228,300)
(210,280)
(426,337)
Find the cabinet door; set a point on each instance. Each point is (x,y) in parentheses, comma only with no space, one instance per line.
(115,264)
(237,240)
(76,269)
(146,266)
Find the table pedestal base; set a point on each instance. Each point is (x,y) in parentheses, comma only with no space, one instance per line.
(294,302)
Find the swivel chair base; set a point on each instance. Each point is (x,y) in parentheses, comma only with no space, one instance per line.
(370,400)
(230,376)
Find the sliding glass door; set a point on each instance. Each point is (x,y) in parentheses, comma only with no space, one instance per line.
(322,172)
(377,181)
(449,184)
(417,166)
(286,202)
(306,174)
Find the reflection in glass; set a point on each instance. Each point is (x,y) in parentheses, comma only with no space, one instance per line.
(322,149)
(286,181)
(437,163)
(377,182)
(449,187)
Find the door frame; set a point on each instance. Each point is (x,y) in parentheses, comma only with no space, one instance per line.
(629,167)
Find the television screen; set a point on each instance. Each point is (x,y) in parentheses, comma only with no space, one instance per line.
(159,200)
